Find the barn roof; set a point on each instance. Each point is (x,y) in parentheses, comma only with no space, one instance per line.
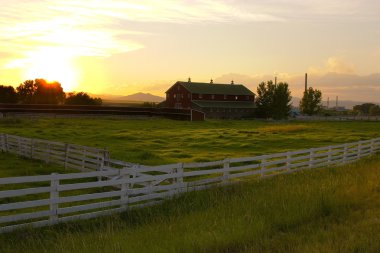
(224,104)
(223,89)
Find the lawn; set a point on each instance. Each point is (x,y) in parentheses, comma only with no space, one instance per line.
(325,210)
(161,141)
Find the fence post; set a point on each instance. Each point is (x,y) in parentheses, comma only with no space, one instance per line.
(372,146)
(67,150)
(179,178)
(54,196)
(124,197)
(358,155)
(329,156)
(345,153)
(288,163)
(262,166)
(226,173)
(311,159)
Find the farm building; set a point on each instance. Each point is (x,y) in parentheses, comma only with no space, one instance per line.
(215,100)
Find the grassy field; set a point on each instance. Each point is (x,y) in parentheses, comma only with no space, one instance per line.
(160,141)
(324,210)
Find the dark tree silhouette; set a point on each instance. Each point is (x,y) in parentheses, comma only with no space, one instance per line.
(82,98)
(363,109)
(8,94)
(40,91)
(311,102)
(273,101)
(26,91)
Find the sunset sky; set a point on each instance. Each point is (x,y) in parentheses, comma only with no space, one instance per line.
(123,47)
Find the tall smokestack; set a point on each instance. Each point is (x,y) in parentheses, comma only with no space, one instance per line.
(305,82)
(337,102)
(328,102)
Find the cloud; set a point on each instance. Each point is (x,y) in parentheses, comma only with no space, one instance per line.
(334,65)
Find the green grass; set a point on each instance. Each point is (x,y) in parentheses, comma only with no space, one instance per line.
(12,165)
(324,210)
(160,141)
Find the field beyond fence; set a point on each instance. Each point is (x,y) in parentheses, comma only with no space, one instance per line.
(116,186)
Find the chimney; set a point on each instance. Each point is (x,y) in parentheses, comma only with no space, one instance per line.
(328,102)
(275,80)
(336,102)
(211,81)
(305,82)
(232,82)
(189,80)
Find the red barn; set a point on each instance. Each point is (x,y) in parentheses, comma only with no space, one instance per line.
(215,100)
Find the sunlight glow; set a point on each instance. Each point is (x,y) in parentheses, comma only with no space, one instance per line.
(52,65)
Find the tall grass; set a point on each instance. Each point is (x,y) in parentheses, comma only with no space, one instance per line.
(160,141)
(324,210)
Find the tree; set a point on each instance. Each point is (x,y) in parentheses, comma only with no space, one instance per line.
(26,91)
(374,110)
(40,91)
(8,94)
(311,102)
(363,109)
(273,101)
(281,101)
(82,98)
(264,100)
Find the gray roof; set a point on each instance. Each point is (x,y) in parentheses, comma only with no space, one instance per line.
(224,104)
(223,89)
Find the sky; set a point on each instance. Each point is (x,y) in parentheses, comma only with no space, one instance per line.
(123,47)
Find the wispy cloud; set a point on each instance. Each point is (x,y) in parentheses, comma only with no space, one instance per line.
(93,28)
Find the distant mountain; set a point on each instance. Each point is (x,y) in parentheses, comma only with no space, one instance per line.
(143,97)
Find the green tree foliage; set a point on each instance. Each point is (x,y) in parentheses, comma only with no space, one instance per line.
(8,94)
(363,109)
(82,98)
(273,101)
(281,101)
(40,91)
(311,102)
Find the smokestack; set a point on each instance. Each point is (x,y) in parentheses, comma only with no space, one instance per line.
(336,102)
(328,102)
(275,80)
(305,82)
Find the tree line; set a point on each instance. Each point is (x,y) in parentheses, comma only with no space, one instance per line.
(40,91)
(274,101)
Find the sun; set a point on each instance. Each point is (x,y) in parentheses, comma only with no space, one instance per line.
(52,65)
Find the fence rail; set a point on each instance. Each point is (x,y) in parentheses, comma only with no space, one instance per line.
(72,156)
(49,199)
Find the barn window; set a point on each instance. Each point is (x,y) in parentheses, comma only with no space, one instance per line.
(200,96)
(225,96)
(236,97)
(175,95)
(178,87)
(213,96)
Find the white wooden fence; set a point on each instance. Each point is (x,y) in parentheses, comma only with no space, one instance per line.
(69,155)
(50,199)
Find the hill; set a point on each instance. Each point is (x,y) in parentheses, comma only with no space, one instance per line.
(142,97)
